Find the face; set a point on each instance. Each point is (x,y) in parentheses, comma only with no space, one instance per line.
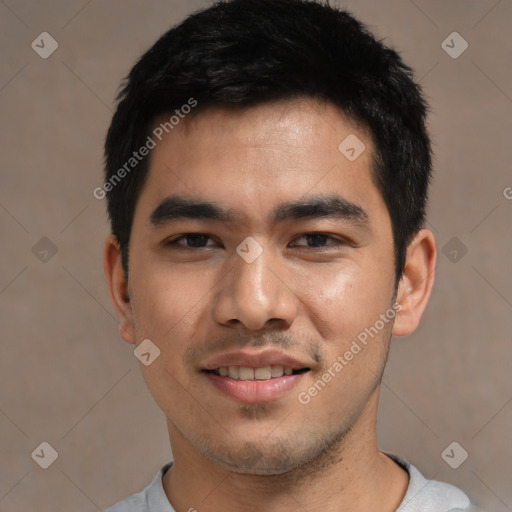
(259,255)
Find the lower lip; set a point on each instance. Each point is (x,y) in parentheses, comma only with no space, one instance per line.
(255,391)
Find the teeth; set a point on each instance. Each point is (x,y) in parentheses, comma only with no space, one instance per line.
(276,371)
(245,373)
(233,372)
(263,373)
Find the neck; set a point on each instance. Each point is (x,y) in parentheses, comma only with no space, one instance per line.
(351,475)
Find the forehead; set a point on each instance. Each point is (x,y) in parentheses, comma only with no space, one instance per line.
(251,158)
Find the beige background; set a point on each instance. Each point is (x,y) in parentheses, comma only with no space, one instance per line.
(68,379)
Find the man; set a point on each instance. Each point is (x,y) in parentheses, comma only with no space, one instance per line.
(266,176)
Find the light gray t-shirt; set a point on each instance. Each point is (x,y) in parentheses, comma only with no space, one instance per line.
(422,495)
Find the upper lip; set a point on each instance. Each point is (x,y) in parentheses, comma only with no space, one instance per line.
(255,360)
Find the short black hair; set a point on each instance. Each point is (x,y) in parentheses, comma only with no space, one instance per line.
(247,52)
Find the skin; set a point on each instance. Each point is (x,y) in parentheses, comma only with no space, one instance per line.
(310,302)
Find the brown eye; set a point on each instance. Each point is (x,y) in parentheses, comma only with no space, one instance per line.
(319,240)
(192,241)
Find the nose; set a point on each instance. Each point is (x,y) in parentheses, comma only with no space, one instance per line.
(256,294)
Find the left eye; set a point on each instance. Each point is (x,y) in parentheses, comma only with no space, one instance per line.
(318,240)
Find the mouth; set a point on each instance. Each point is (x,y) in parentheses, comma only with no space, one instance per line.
(255,377)
(261,373)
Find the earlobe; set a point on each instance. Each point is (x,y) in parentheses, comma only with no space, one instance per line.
(118,288)
(416,282)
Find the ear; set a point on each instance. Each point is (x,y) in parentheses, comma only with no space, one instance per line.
(118,288)
(416,282)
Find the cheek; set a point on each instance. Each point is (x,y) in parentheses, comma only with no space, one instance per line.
(165,298)
(344,301)
(173,309)
(167,309)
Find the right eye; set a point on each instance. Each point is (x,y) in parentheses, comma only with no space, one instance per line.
(192,241)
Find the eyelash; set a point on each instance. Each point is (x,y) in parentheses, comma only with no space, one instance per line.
(174,242)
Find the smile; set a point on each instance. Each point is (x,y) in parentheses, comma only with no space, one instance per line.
(261,373)
(255,385)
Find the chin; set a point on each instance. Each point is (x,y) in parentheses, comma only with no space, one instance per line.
(265,459)
(263,466)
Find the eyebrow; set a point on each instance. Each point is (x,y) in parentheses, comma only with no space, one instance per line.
(331,206)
